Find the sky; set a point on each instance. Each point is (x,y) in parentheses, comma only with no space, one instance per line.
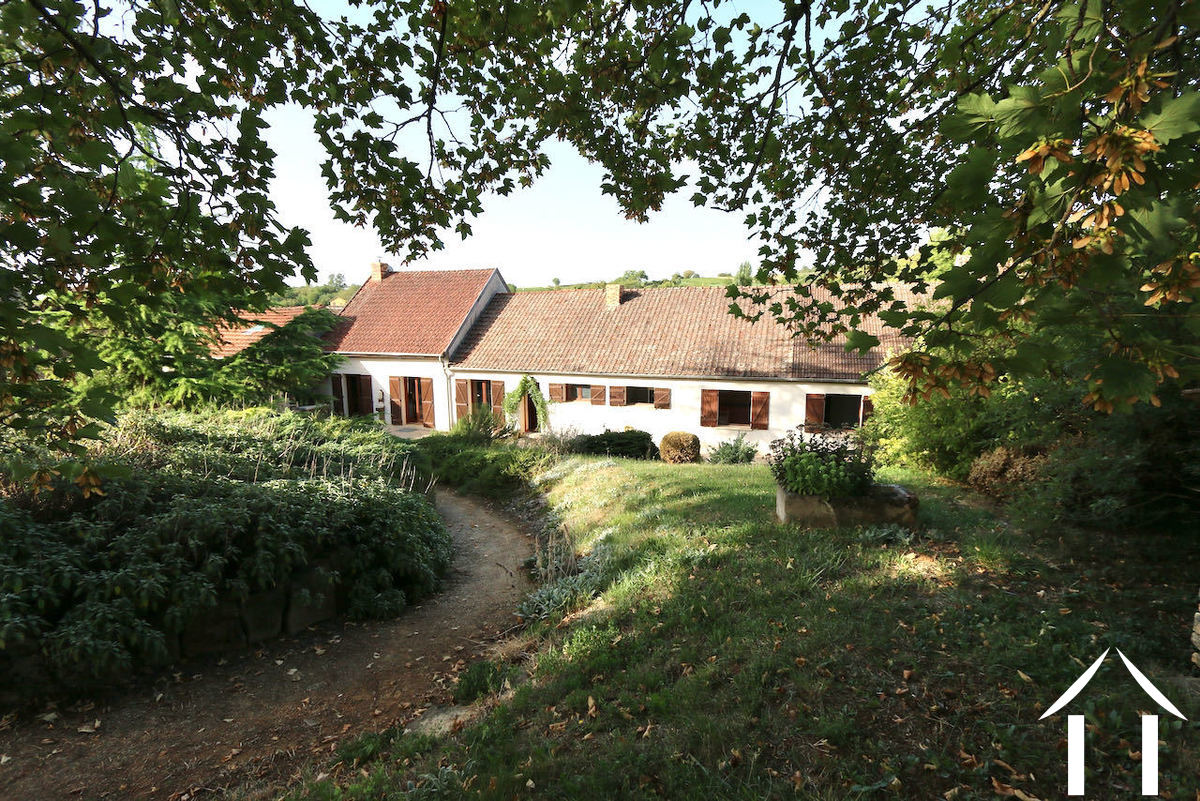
(561,227)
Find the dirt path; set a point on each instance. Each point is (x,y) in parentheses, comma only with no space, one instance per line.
(252,719)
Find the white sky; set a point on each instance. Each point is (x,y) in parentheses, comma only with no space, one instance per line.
(561,227)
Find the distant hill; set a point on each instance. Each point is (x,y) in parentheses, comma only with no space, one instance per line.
(631,279)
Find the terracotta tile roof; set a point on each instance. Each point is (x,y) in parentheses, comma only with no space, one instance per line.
(255,326)
(415,312)
(668,331)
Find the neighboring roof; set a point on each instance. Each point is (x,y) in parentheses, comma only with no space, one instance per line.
(667,331)
(254,326)
(417,312)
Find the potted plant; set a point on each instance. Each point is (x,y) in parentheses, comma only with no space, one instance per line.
(827,480)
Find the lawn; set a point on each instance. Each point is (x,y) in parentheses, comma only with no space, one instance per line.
(727,656)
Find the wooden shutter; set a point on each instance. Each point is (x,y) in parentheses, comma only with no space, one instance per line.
(366,395)
(616,396)
(868,408)
(462,398)
(710,401)
(662,398)
(498,401)
(814,411)
(396,400)
(339,400)
(558,393)
(760,410)
(597,394)
(425,396)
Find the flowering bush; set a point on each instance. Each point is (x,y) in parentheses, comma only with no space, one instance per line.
(826,465)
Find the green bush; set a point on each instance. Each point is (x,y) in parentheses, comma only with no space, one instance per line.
(1130,468)
(479,427)
(680,447)
(495,471)
(733,451)
(632,444)
(97,587)
(827,465)
(258,444)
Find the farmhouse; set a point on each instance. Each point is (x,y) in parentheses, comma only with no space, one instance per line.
(423,347)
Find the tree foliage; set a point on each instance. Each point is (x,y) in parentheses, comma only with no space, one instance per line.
(1053,143)
(135,183)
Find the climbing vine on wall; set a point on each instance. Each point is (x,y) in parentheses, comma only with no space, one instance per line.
(527,386)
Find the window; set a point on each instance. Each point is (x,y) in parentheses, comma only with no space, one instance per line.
(579,392)
(639,395)
(834,411)
(841,411)
(733,408)
(481,393)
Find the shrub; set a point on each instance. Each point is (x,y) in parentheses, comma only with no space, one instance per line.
(827,465)
(480,426)
(733,451)
(679,447)
(494,471)
(99,586)
(632,444)
(1002,471)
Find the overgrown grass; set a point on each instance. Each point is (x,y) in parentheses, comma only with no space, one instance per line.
(719,654)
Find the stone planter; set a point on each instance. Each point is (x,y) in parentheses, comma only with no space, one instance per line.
(882,503)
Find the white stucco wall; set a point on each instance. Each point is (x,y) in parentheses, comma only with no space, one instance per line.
(786,409)
(382,368)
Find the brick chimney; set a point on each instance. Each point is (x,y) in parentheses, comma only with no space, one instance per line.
(612,296)
(379,270)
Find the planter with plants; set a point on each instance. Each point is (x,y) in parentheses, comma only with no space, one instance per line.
(827,481)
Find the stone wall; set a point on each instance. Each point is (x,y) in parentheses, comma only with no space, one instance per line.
(881,504)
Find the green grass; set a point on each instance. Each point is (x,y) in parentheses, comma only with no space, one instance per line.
(727,656)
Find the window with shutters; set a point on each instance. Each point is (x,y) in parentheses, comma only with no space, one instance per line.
(638,395)
(733,408)
(579,392)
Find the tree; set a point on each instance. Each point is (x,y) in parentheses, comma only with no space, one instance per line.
(1054,143)
(744,275)
(135,182)
(633,278)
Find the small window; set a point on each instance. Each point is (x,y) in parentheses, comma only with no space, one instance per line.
(842,411)
(733,408)
(639,395)
(579,392)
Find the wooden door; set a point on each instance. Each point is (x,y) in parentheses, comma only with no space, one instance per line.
(426,389)
(366,395)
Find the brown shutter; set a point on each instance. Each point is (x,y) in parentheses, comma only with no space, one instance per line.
(597,395)
(339,401)
(396,400)
(498,401)
(366,395)
(709,403)
(814,412)
(558,393)
(760,410)
(616,396)
(662,398)
(462,398)
(868,408)
(426,398)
